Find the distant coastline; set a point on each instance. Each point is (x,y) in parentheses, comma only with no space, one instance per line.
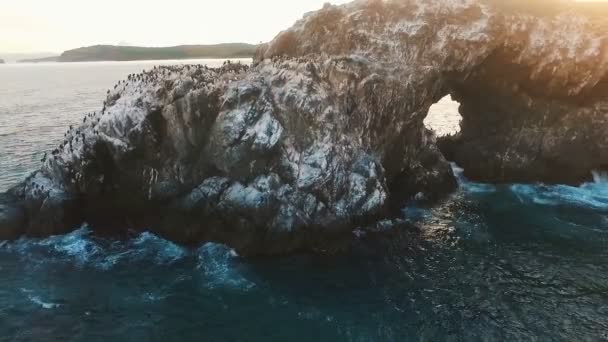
(39,60)
(99,53)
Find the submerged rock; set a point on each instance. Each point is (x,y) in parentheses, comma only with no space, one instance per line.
(324,133)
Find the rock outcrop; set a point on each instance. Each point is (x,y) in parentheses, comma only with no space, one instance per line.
(269,160)
(531,76)
(325,133)
(536,108)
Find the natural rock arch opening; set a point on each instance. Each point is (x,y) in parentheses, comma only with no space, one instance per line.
(443,117)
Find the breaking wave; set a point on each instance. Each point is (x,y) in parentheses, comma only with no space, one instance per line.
(81,249)
(218,266)
(592,195)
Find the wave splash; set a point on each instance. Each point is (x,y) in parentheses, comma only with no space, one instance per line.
(82,249)
(592,195)
(37,300)
(216,265)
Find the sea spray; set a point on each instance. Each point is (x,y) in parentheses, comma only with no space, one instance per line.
(219,267)
(600,177)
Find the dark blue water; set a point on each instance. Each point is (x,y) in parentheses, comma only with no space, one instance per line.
(519,262)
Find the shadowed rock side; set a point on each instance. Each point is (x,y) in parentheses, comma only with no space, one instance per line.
(532,76)
(325,133)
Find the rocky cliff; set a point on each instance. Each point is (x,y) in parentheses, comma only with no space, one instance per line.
(325,133)
(531,76)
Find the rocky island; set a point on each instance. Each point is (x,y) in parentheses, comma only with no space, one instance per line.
(324,133)
(1,61)
(99,53)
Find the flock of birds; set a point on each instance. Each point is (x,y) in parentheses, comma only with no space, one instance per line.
(39,190)
(74,135)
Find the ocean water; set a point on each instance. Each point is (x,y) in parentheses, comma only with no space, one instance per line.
(489,263)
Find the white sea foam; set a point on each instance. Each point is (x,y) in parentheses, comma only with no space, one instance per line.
(82,249)
(162,251)
(36,299)
(218,264)
(76,246)
(592,195)
(600,177)
(219,269)
(468,186)
(45,305)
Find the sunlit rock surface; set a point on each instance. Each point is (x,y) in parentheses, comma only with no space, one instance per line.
(531,76)
(324,133)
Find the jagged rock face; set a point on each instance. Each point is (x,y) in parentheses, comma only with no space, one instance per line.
(537,108)
(532,77)
(325,132)
(268,160)
(145,147)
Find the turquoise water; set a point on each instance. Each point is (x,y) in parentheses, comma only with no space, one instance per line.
(489,263)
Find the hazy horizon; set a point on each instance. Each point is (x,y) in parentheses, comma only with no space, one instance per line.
(44,28)
(35,26)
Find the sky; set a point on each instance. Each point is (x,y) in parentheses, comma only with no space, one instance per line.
(29,26)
